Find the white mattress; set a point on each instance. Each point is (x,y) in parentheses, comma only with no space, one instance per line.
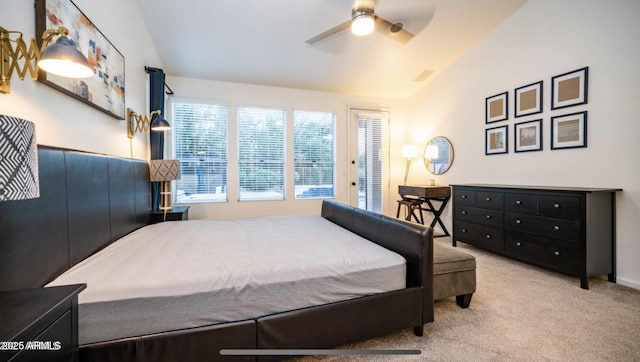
(183,274)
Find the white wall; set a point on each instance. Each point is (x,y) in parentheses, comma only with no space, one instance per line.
(234,94)
(543,39)
(64,121)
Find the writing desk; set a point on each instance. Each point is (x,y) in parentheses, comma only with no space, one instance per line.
(427,194)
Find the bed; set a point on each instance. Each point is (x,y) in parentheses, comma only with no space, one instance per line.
(93,204)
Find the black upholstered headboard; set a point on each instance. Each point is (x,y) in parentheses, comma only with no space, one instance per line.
(86,201)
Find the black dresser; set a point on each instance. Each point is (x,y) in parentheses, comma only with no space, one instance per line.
(569,230)
(40,324)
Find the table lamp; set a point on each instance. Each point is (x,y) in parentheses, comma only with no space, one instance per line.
(164,171)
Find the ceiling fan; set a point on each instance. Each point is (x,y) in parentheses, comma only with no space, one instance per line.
(364,20)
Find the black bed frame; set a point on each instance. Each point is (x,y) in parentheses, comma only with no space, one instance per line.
(89,200)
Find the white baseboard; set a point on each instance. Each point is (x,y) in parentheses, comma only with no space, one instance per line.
(628,282)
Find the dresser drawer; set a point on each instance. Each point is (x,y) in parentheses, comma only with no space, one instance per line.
(479,235)
(545,226)
(480,216)
(57,342)
(520,202)
(490,199)
(464,196)
(560,206)
(544,250)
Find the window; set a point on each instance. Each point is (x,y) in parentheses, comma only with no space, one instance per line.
(313,153)
(261,153)
(200,143)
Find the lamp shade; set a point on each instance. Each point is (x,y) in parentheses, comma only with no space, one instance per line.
(18,160)
(64,59)
(164,170)
(160,124)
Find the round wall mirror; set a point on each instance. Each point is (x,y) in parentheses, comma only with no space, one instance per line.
(438,155)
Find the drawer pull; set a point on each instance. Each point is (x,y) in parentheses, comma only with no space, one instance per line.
(488,236)
(488,216)
(464,196)
(464,230)
(518,244)
(464,212)
(556,227)
(488,199)
(557,206)
(518,202)
(518,221)
(556,253)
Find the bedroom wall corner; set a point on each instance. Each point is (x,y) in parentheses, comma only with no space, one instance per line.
(62,121)
(543,39)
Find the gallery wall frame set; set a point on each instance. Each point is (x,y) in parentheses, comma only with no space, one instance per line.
(567,131)
(104,91)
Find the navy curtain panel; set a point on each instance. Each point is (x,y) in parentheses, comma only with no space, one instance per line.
(156,139)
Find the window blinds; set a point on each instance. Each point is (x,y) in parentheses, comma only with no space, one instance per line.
(261,157)
(200,143)
(314,155)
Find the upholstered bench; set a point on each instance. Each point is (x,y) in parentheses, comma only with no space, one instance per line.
(454,274)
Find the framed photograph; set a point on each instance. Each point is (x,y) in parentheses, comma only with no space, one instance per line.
(496,140)
(528,99)
(496,108)
(528,136)
(569,89)
(569,131)
(105,89)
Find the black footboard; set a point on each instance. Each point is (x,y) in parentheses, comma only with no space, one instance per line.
(414,242)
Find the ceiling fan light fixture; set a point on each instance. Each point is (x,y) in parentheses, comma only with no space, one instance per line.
(362,22)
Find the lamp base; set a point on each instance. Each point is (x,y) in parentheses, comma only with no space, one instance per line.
(165,196)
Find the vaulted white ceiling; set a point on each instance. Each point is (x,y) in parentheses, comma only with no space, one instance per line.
(263,41)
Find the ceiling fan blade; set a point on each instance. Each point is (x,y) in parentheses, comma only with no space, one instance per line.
(336,29)
(394,31)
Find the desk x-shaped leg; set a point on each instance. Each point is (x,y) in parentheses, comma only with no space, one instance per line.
(437,213)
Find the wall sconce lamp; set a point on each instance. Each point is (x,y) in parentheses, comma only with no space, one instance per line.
(141,122)
(61,58)
(408,152)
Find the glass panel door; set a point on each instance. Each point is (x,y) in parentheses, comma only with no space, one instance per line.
(368,159)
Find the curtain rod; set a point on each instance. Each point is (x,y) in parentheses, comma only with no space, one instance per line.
(168,90)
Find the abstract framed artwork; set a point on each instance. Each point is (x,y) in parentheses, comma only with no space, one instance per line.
(497,108)
(105,89)
(496,140)
(569,131)
(570,89)
(528,99)
(528,136)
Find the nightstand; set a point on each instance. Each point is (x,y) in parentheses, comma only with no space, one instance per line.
(40,324)
(176,213)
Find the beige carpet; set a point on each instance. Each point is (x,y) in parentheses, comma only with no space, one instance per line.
(521,313)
